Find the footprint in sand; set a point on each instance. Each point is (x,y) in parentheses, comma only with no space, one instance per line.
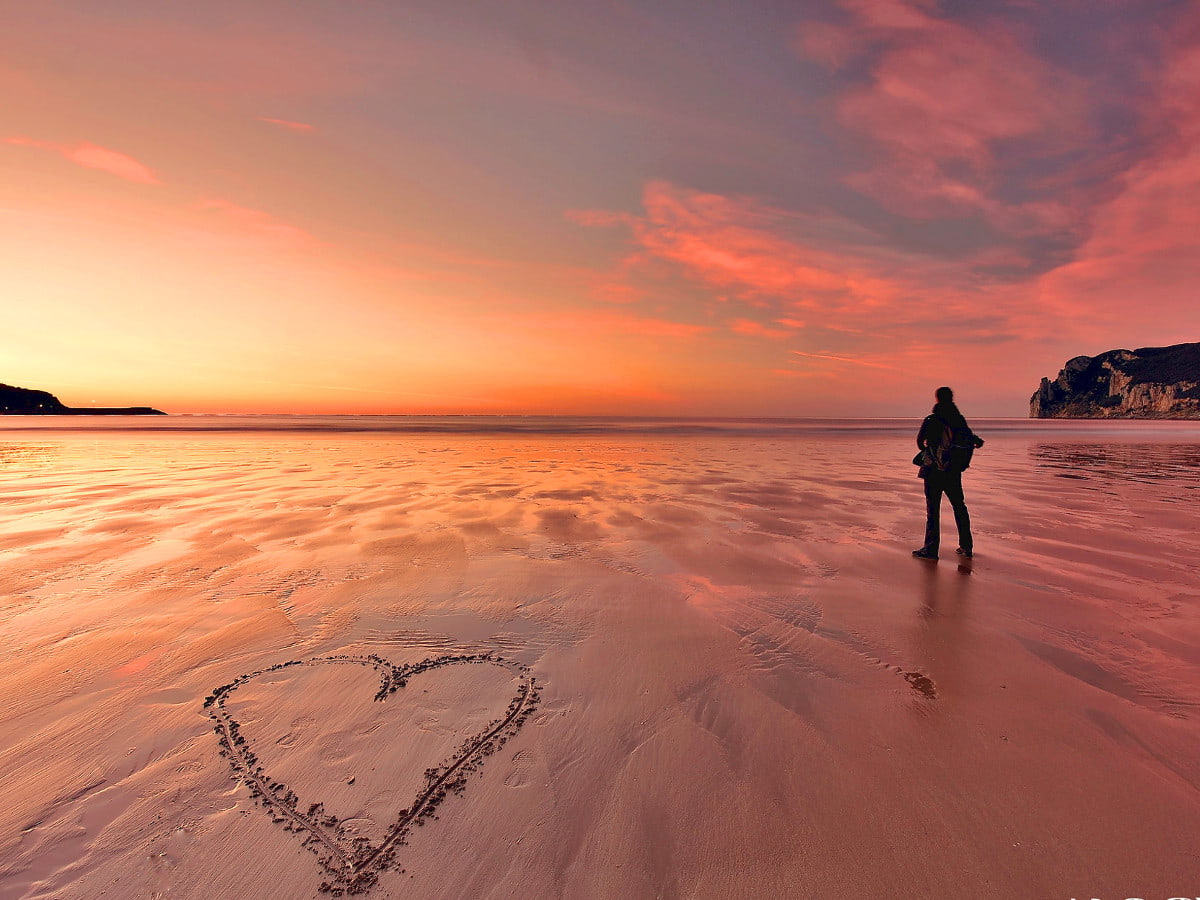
(518,776)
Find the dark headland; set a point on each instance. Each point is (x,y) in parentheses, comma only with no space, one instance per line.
(1150,383)
(15,401)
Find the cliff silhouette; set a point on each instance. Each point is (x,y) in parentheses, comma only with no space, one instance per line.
(15,401)
(1149,383)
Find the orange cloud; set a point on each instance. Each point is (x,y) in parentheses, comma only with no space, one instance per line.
(254,223)
(737,244)
(800,373)
(91,156)
(618,292)
(822,296)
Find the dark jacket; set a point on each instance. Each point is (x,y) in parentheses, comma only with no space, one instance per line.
(939,454)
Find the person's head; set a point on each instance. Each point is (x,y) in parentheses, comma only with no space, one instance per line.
(945,408)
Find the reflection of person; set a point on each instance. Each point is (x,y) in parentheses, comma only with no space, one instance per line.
(946,443)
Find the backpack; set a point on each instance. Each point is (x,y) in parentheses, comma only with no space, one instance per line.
(962,448)
(954,451)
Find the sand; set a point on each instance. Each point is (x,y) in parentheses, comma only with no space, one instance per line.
(742,684)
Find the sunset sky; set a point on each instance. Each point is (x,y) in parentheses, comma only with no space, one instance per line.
(644,207)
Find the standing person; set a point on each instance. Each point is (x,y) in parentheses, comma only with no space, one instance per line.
(946,443)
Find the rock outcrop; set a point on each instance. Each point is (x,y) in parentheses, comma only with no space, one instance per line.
(1150,383)
(15,401)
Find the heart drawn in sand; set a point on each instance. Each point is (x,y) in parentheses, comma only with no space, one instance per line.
(353,864)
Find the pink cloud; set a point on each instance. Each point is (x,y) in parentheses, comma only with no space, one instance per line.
(753,328)
(91,156)
(287,123)
(940,100)
(844,359)
(827,44)
(1140,256)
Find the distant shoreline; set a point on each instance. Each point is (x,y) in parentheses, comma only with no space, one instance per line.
(18,401)
(72,412)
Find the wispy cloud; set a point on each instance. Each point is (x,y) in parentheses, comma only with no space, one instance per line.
(740,247)
(254,223)
(845,359)
(754,328)
(287,123)
(92,156)
(769,273)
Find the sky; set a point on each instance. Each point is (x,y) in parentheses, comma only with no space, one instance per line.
(621,207)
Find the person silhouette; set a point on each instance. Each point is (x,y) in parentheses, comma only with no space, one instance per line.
(946,443)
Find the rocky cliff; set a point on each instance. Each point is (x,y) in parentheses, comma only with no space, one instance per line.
(15,401)
(1150,383)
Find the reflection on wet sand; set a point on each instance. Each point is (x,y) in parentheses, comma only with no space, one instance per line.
(23,455)
(941,647)
(1116,462)
(941,599)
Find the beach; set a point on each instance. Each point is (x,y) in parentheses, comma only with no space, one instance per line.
(745,685)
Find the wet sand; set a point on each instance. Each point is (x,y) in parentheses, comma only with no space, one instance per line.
(746,687)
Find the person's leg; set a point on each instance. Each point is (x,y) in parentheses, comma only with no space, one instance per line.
(933,512)
(962,518)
